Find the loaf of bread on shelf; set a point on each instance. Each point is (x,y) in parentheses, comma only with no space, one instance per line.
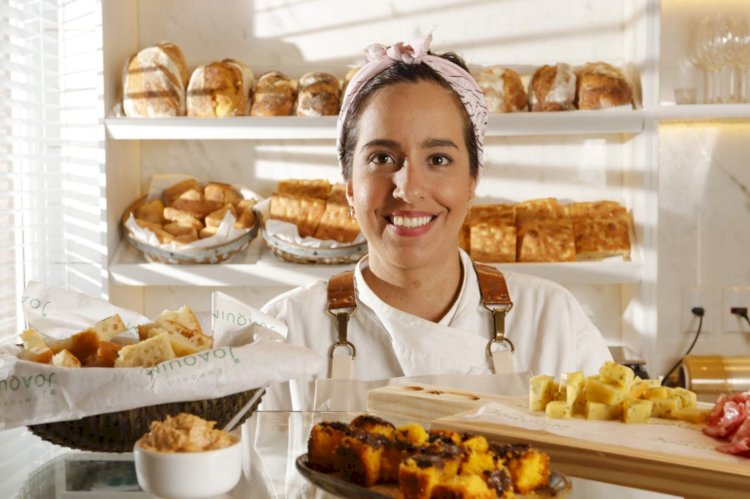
(503,90)
(553,88)
(319,94)
(220,89)
(314,188)
(544,232)
(275,95)
(154,82)
(304,212)
(600,85)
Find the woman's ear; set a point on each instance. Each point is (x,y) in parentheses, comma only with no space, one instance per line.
(472,188)
(350,192)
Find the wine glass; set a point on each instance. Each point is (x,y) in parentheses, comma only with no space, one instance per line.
(706,55)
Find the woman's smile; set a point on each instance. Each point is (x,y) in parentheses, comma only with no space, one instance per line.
(410,223)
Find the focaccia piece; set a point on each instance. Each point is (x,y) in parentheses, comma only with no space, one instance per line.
(596,209)
(108,328)
(317,188)
(171,193)
(64,358)
(182,217)
(304,212)
(246,219)
(152,212)
(106,355)
(597,238)
(221,193)
(183,323)
(539,209)
(336,223)
(197,208)
(214,219)
(546,241)
(177,229)
(81,344)
(492,233)
(35,348)
(147,353)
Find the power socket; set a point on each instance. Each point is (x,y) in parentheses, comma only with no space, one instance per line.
(696,297)
(736,296)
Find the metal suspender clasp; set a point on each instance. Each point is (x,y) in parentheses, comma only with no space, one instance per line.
(342,317)
(498,318)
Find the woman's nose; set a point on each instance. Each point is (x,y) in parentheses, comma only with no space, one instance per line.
(408,183)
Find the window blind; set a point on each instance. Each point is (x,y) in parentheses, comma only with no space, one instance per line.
(52,178)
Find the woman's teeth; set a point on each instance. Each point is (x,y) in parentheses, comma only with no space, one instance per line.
(410,222)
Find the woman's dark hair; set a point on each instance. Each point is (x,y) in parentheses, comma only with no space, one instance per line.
(393,75)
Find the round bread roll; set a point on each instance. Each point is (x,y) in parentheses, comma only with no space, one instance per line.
(600,85)
(319,95)
(503,90)
(220,89)
(553,88)
(275,95)
(154,81)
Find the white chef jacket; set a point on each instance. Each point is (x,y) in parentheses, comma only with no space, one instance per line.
(551,332)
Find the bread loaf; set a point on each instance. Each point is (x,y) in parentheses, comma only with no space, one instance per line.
(503,90)
(220,89)
(600,85)
(319,95)
(553,88)
(275,95)
(154,81)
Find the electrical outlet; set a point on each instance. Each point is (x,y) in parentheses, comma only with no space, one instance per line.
(736,296)
(696,297)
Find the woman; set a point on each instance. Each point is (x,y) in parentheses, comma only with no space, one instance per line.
(410,138)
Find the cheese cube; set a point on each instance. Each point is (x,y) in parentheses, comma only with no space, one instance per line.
(558,409)
(604,392)
(690,414)
(617,373)
(658,392)
(688,398)
(638,390)
(579,406)
(573,384)
(636,411)
(602,412)
(541,392)
(663,406)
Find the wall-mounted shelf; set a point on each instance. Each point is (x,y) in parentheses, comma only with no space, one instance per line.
(702,112)
(257,267)
(324,127)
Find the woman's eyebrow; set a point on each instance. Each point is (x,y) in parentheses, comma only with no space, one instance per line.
(380,142)
(430,143)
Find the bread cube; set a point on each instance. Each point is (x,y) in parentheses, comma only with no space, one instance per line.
(638,390)
(663,406)
(63,358)
(636,411)
(617,373)
(604,392)
(108,328)
(573,385)
(559,409)
(660,392)
(688,398)
(541,392)
(146,353)
(602,412)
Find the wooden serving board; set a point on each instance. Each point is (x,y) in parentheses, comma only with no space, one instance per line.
(664,456)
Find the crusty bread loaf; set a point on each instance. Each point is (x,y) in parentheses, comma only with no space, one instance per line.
(553,88)
(154,81)
(274,95)
(503,90)
(146,353)
(319,95)
(600,85)
(220,89)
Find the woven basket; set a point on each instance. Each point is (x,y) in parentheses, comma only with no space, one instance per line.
(302,254)
(118,431)
(187,256)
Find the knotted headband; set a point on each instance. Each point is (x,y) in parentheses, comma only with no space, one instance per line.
(380,57)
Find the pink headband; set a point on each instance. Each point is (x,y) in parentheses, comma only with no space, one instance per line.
(380,57)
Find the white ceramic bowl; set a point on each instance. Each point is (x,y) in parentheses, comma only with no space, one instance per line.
(188,475)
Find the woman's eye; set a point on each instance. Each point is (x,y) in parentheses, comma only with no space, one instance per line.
(439,160)
(381,159)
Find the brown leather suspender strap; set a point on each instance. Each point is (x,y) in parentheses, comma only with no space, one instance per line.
(496,299)
(342,304)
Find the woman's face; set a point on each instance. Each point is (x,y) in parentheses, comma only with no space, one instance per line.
(410,184)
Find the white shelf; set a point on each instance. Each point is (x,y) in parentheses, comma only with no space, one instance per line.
(324,127)
(258,267)
(703,112)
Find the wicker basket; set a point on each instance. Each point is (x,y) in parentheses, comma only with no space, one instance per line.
(118,431)
(303,254)
(187,256)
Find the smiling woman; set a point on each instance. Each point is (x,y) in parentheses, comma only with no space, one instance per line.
(410,142)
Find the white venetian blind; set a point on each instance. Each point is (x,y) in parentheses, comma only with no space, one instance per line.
(52,222)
